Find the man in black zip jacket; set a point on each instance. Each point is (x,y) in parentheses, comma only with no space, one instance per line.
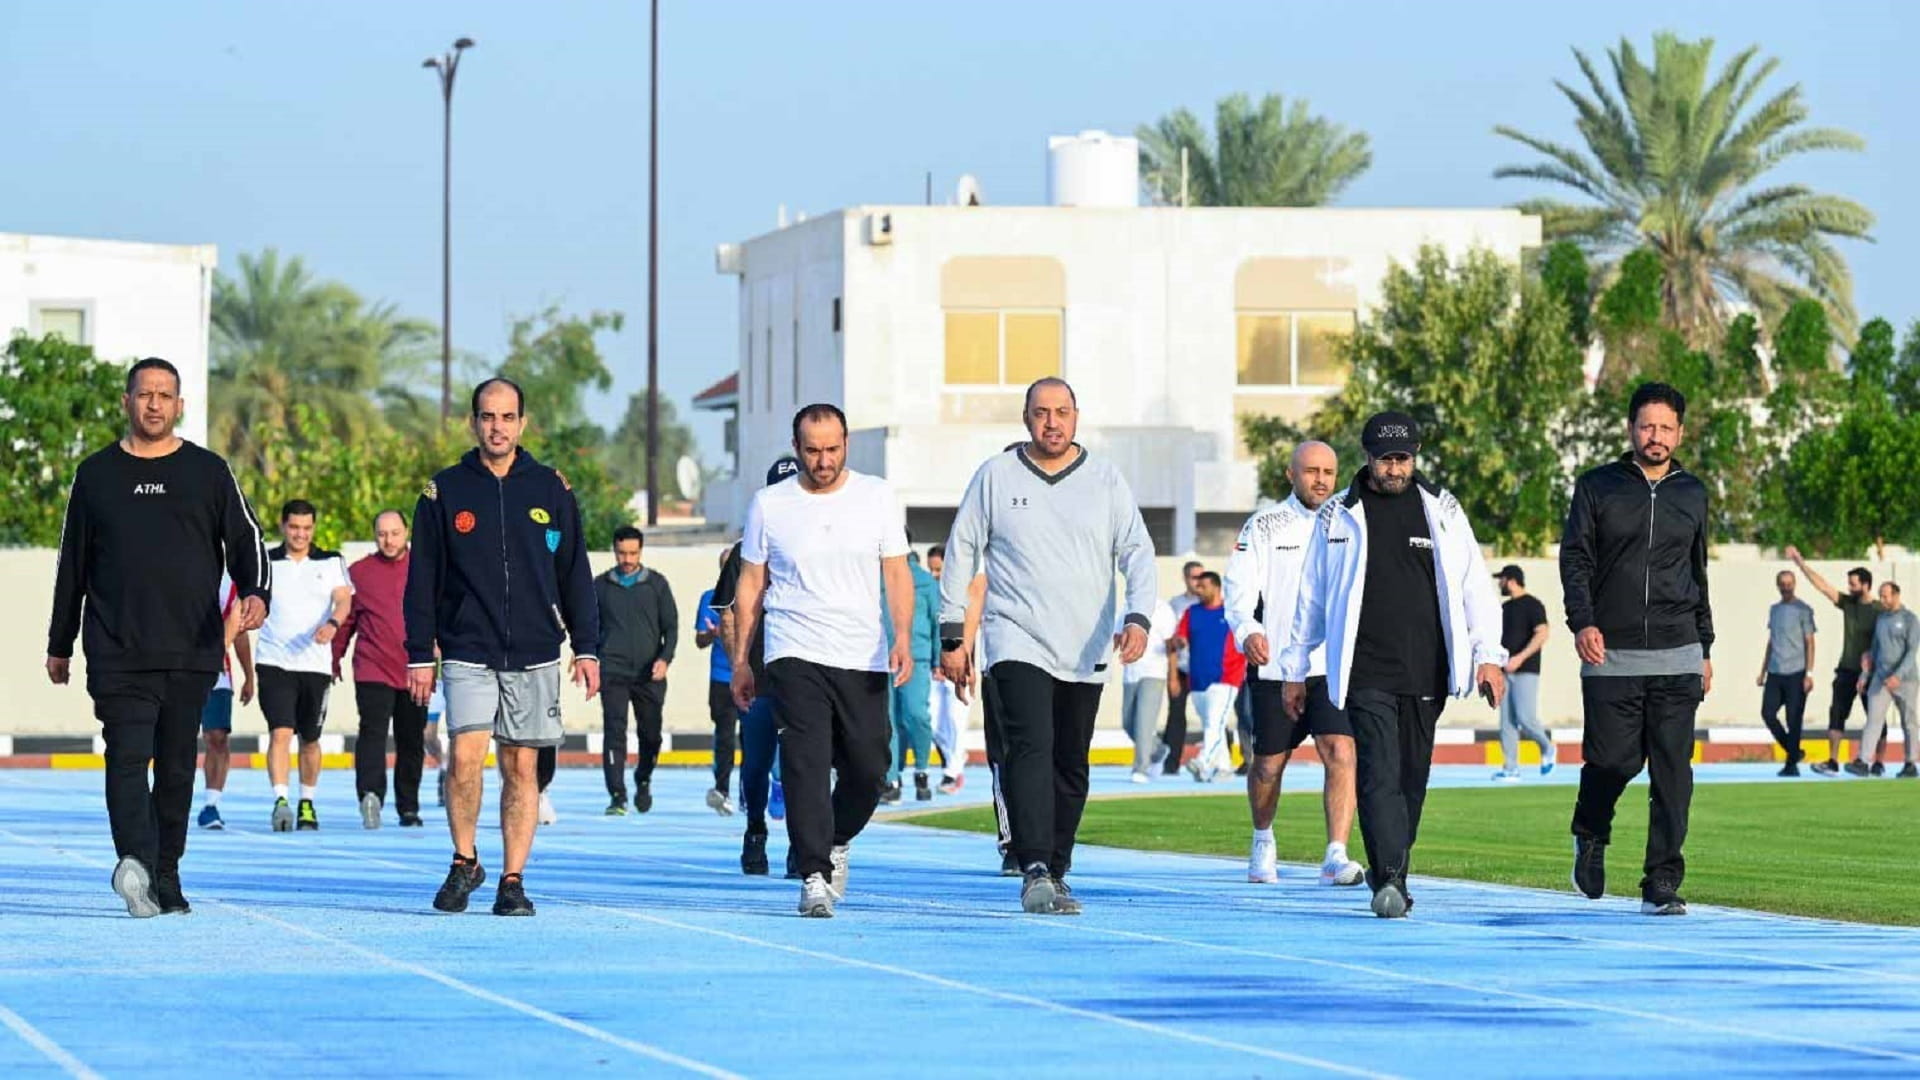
(1633,564)
(498,579)
(153,633)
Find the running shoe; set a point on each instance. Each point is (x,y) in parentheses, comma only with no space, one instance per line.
(838,856)
(890,794)
(816,897)
(309,821)
(1507,776)
(753,855)
(166,891)
(1590,867)
(135,886)
(1857,767)
(1826,768)
(718,802)
(922,791)
(410,819)
(617,807)
(548,816)
(1139,777)
(1338,869)
(1009,866)
(777,801)
(1549,757)
(511,897)
(1064,902)
(1662,897)
(1909,772)
(210,817)
(1791,768)
(642,797)
(1036,891)
(369,811)
(1390,902)
(282,815)
(1879,768)
(952,783)
(1262,862)
(464,876)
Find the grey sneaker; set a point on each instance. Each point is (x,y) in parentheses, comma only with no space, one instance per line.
(135,885)
(718,802)
(838,883)
(369,811)
(282,815)
(1857,768)
(1390,902)
(1064,902)
(816,898)
(1036,891)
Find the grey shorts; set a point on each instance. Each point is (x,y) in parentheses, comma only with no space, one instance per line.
(520,708)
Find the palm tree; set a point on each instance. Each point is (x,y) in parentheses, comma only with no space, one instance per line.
(1672,163)
(1265,155)
(281,339)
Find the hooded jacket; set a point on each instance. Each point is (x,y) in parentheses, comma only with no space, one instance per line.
(1633,558)
(1334,579)
(499,574)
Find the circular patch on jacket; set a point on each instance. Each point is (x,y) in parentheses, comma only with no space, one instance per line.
(540,515)
(463,522)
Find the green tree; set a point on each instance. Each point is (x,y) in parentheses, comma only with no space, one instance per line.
(59,403)
(1903,384)
(1674,161)
(1270,154)
(626,450)
(1484,359)
(555,358)
(1564,274)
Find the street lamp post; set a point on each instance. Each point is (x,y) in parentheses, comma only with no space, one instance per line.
(446,66)
(653,273)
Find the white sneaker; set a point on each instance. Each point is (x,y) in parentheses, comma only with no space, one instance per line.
(1549,757)
(1507,776)
(1160,752)
(1340,870)
(369,811)
(838,883)
(1139,777)
(816,898)
(718,802)
(547,814)
(1261,868)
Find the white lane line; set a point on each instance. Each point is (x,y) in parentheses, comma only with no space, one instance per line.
(54,1051)
(665,1057)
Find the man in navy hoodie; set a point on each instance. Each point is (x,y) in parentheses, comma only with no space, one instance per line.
(499,579)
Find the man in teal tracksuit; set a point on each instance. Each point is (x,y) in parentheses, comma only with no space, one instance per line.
(909,705)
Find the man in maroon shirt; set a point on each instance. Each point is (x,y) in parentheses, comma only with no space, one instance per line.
(380,677)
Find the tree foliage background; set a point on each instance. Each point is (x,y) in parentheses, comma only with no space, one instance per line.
(58,403)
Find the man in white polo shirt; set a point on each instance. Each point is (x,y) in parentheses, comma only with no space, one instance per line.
(295,657)
(812,556)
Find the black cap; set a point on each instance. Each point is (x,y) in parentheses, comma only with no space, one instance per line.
(780,470)
(1512,573)
(1390,433)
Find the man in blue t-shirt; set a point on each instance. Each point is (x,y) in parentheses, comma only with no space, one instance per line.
(720,707)
(1216,670)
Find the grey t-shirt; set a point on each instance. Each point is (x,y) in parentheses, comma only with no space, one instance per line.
(1789,625)
(1896,638)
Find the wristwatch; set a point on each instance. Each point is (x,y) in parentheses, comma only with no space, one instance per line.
(948,644)
(333,622)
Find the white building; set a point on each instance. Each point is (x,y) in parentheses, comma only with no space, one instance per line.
(926,323)
(127,300)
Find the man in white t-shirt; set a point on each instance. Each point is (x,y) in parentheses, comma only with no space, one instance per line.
(295,657)
(1144,687)
(812,555)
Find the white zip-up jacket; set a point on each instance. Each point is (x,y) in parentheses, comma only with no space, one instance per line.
(1263,582)
(1335,579)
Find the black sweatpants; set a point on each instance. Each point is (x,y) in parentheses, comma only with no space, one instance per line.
(150,718)
(831,721)
(546,765)
(1176,734)
(380,705)
(1393,745)
(990,725)
(1789,690)
(726,720)
(1046,727)
(1633,721)
(647,698)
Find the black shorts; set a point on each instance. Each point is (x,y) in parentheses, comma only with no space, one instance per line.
(294,699)
(1274,732)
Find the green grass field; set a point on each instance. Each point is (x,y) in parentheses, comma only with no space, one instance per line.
(1835,850)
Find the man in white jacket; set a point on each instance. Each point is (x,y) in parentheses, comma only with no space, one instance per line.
(1395,588)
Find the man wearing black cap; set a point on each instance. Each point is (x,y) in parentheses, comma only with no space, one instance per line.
(1395,588)
(1523,633)
(1633,561)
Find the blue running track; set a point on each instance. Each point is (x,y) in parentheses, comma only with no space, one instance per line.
(318,955)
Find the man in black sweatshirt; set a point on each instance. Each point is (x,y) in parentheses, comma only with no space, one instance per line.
(1633,567)
(639,627)
(152,630)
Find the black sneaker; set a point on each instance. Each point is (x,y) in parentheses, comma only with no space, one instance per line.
(1662,898)
(642,798)
(308,820)
(1590,867)
(511,897)
(922,791)
(793,874)
(617,807)
(890,794)
(1826,768)
(1879,768)
(410,819)
(1790,769)
(1036,891)
(753,854)
(166,889)
(1856,767)
(464,876)
(1009,866)
(1909,772)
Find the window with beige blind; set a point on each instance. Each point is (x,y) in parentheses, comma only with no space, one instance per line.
(1291,348)
(69,321)
(1004,319)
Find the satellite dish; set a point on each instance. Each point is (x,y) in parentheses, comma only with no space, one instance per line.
(967,191)
(687,472)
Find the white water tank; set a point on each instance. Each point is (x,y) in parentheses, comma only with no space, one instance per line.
(1093,168)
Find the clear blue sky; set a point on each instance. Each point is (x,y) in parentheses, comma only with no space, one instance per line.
(314,129)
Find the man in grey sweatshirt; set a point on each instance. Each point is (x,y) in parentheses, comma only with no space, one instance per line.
(1892,678)
(1048,524)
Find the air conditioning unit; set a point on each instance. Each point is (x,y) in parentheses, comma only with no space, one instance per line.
(729,259)
(879,228)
